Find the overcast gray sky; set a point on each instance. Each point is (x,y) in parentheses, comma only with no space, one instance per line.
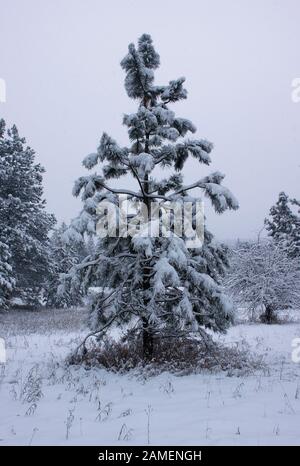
(60,60)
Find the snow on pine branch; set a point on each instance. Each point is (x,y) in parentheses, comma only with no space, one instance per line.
(144,163)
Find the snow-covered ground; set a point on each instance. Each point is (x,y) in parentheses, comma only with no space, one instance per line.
(43,402)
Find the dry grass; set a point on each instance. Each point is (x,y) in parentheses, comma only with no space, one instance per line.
(16,322)
(182,356)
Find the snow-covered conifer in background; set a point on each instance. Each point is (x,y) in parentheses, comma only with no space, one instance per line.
(296,230)
(24,222)
(7,281)
(263,276)
(64,254)
(167,289)
(284,224)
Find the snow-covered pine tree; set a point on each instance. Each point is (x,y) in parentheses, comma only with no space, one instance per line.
(284,224)
(23,219)
(295,240)
(7,281)
(64,254)
(167,289)
(90,246)
(262,276)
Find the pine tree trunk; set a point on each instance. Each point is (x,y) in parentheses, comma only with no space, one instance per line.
(148,342)
(268,316)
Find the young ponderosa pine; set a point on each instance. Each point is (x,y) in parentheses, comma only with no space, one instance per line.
(159,284)
(263,276)
(284,225)
(24,222)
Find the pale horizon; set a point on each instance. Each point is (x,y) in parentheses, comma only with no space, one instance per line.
(64,87)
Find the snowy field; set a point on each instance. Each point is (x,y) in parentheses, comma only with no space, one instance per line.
(43,402)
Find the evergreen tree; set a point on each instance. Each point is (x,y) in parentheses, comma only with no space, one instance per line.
(296,230)
(169,289)
(7,281)
(64,254)
(284,225)
(24,222)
